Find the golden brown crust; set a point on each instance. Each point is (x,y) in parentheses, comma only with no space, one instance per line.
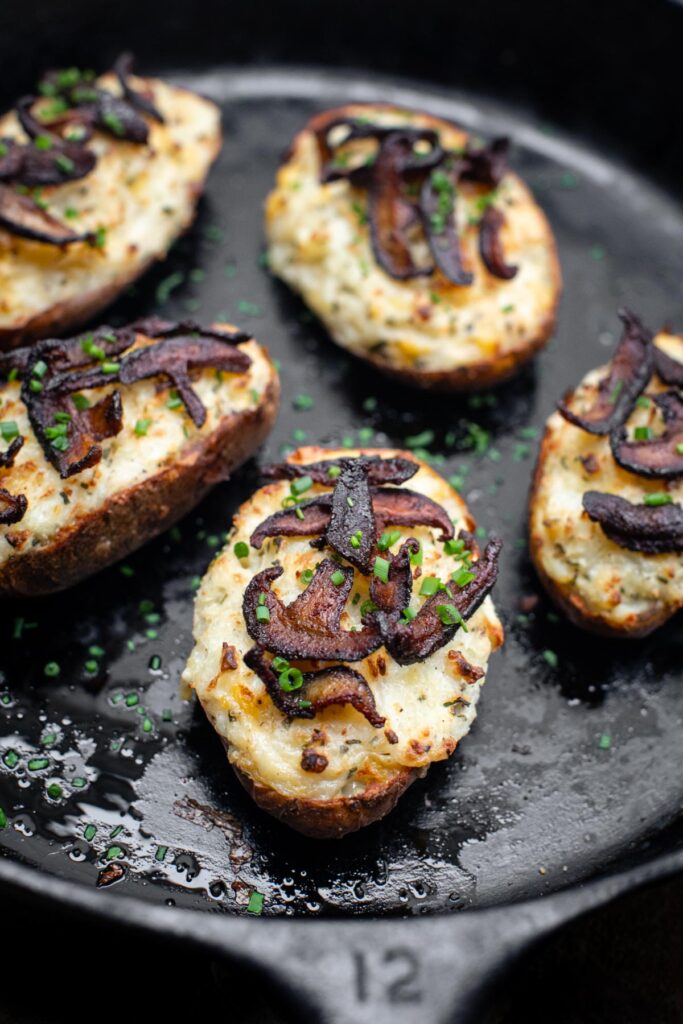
(74,312)
(476,376)
(331,819)
(140,513)
(568,600)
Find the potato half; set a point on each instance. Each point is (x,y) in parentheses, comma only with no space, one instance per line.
(426,331)
(153,472)
(140,198)
(334,773)
(601,586)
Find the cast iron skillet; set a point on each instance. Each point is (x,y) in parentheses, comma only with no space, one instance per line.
(568,790)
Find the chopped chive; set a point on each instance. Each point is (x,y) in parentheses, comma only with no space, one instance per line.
(381,569)
(11,758)
(54,791)
(52,669)
(255,904)
(290,679)
(38,764)
(388,539)
(416,557)
(551,658)
(9,430)
(454,547)
(658,498)
(333,472)
(262,614)
(642,433)
(408,614)
(3,818)
(160,853)
(174,401)
(81,402)
(132,699)
(430,585)
(113,852)
(89,833)
(462,577)
(307,576)
(301,485)
(241,549)
(450,616)
(422,440)
(605,741)
(303,402)
(338,578)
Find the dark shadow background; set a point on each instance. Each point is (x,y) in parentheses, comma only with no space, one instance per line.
(609,72)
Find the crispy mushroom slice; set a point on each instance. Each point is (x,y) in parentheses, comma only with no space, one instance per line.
(662,456)
(628,375)
(21,216)
(9,455)
(175,356)
(488,164)
(123,68)
(352,528)
(439,219)
(391,507)
(491,246)
(441,615)
(394,470)
(669,369)
(391,213)
(651,529)
(309,627)
(335,685)
(12,507)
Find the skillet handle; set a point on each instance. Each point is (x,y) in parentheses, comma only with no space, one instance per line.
(431,969)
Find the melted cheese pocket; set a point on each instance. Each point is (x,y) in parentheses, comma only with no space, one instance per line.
(425,330)
(334,772)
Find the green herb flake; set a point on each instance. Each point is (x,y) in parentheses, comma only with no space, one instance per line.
(89,833)
(10,758)
(160,853)
(241,549)
(337,578)
(52,669)
(551,658)
(113,852)
(657,498)
(605,741)
(169,285)
(303,402)
(256,900)
(9,430)
(38,764)
(54,791)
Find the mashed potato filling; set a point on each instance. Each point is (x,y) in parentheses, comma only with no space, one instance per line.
(609,581)
(428,706)
(320,245)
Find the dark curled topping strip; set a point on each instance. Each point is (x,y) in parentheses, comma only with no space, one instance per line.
(391,213)
(487,164)
(491,246)
(337,685)
(380,471)
(21,216)
(438,211)
(309,627)
(312,521)
(629,373)
(352,517)
(174,357)
(156,327)
(650,529)
(670,370)
(659,457)
(391,508)
(426,633)
(9,455)
(123,67)
(12,507)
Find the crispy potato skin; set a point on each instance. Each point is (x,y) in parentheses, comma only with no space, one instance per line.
(600,586)
(246,720)
(134,516)
(331,819)
(497,366)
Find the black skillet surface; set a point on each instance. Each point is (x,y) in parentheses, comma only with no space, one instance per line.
(573,768)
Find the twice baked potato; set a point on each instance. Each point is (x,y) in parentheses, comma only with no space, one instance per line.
(98,177)
(113,435)
(606,522)
(342,635)
(417,247)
